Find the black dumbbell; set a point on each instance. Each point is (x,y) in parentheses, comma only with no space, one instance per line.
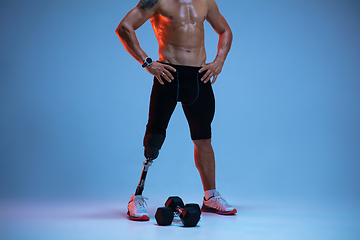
(189,214)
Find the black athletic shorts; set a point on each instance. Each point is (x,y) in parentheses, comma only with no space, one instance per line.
(197,100)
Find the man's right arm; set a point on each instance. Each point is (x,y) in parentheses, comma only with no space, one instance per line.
(126,33)
(126,30)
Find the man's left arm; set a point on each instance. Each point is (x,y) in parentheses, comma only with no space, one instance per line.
(221,27)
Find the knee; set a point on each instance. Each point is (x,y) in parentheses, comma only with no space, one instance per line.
(203,144)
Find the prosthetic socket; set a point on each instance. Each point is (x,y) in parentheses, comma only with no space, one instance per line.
(152,144)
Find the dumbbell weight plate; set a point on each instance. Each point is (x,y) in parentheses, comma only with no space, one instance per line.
(190,216)
(174,202)
(164,216)
(194,205)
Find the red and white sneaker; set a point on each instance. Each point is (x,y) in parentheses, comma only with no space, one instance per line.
(217,204)
(137,208)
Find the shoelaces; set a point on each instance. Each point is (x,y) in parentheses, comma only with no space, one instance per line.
(140,202)
(220,202)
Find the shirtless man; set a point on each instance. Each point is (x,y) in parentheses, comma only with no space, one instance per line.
(180,74)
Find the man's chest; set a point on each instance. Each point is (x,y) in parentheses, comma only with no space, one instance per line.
(183,10)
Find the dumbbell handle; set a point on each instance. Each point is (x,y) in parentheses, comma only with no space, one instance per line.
(178,210)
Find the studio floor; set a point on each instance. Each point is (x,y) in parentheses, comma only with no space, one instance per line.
(108,220)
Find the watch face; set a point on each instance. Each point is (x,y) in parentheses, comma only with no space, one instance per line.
(147,62)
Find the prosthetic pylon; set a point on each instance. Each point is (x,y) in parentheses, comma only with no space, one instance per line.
(141,184)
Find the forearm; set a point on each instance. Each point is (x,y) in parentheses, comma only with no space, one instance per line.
(224,45)
(128,38)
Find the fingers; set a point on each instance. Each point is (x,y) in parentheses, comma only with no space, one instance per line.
(169,68)
(164,72)
(160,80)
(212,71)
(214,79)
(204,68)
(167,76)
(161,72)
(207,76)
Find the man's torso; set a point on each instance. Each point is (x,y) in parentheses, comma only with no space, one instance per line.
(179,29)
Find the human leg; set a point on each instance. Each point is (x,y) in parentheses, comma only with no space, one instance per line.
(162,105)
(199,115)
(205,162)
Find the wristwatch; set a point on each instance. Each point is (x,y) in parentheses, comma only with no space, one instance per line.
(148,61)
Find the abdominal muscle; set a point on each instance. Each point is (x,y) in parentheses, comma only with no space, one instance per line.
(181,45)
(183,56)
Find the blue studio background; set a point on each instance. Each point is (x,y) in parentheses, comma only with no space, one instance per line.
(74,104)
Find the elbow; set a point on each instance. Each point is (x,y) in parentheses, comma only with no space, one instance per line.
(226,31)
(117,31)
(228,34)
(121,30)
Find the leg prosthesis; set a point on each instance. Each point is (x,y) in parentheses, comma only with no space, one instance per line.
(152,144)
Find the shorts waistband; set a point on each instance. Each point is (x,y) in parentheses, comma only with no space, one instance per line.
(184,67)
